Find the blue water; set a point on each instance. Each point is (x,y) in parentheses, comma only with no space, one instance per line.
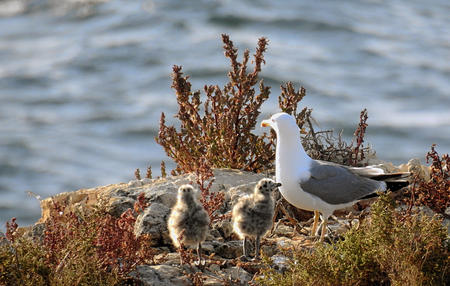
(83,83)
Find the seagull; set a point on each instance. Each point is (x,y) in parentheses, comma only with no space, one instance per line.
(316,185)
(188,221)
(252,215)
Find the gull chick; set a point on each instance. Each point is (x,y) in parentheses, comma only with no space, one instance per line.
(252,215)
(188,221)
(322,186)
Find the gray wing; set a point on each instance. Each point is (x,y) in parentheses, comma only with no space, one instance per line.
(336,184)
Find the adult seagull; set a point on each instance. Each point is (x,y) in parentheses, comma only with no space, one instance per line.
(316,185)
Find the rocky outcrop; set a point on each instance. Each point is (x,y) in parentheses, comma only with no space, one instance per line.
(221,246)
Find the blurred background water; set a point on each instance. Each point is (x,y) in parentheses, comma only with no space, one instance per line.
(83,83)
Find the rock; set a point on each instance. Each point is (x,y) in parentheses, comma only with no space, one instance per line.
(414,166)
(284,230)
(280,262)
(214,234)
(118,205)
(269,249)
(117,198)
(229,249)
(37,232)
(238,274)
(159,275)
(171,258)
(82,199)
(225,228)
(153,221)
(164,193)
(134,183)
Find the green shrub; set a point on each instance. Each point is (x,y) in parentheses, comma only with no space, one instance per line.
(389,248)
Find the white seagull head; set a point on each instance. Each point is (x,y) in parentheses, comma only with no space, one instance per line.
(281,122)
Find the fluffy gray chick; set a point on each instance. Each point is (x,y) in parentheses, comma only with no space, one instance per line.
(189,219)
(252,215)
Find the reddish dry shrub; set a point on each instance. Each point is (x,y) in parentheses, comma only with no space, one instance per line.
(211,201)
(326,145)
(217,133)
(11,227)
(220,132)
(358,152)
(110,241)
(434,193)
(137,174)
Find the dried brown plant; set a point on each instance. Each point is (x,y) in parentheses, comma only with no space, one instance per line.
(358,152)
(137,174)
(11,227)
(197,278)
(92,248)
(326,145)
(219,130)
(434,193)
(211,201)
(148,175)
(163,169)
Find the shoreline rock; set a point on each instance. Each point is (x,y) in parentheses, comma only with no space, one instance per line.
(222,245)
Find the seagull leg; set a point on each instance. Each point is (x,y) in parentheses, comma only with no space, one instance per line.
(324,228)
(316,221)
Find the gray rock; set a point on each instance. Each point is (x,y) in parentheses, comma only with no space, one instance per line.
(225,228)
(165,193)
(238,274)
(230,249)
(280,263)
(159,275)
(118,205)
(153,221)
(135,183)
(37,231)
(171,258)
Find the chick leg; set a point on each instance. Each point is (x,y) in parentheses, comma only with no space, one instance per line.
(257,245)
(199,253)
(244,245)
(244,256)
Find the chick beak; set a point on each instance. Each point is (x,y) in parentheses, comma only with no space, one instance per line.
(265,123)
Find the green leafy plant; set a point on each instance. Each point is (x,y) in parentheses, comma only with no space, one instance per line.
(389,248)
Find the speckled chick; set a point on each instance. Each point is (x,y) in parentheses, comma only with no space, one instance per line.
(252,215)
(189,219)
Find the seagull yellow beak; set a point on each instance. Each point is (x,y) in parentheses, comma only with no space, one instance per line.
(265,123)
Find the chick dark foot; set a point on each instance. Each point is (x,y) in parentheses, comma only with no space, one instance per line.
(244,258)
